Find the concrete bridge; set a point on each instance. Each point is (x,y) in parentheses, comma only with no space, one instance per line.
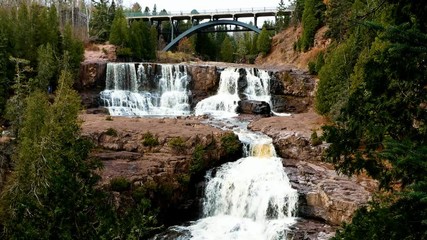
(213,18)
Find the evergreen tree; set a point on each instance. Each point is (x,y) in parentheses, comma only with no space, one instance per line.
(311,21)
(283,19)
(264,41)
(154,10)
(136,40)
(227,50)
(47,68)
(51,193)
(153,43)
(4,63)
(72,47)
(119,30)
(381,127)
(101,20)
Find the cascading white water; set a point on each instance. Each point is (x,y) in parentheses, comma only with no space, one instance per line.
(248,199)
(126,93)
(225,102)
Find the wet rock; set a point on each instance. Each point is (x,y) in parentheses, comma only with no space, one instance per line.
(253,107)
(91,75)
(100,110)
(108,156)
(324,194)
(309,229)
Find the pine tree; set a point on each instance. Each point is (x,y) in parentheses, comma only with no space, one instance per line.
(51,193)
(264,41)
(119,31)
(227,50)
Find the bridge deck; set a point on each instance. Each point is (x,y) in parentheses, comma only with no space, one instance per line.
(215,14)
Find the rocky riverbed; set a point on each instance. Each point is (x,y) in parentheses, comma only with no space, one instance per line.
(326,198)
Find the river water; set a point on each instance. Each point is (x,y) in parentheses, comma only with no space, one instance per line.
(250,198)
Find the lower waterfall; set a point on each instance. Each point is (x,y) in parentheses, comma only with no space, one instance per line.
(250,198)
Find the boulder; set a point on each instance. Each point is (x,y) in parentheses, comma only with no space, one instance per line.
(253,107)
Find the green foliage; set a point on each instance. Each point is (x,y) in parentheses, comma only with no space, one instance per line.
(119,30)
(283,19)
(177,144)
(315,66)
(264,41)
(15,106)
(73,50)
(334,84)
(231,143)
(311,21)
(120,184)
(314,139)
(111,132)
(149,140)
(51,165)
(381,127)
(102,18)
(227,50)
(338,18)
(184,179)
(384,221)
(4,64)
(299,10)
(46,68)
(198,160)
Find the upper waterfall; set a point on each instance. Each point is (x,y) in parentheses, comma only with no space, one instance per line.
(236,84)
(128,93)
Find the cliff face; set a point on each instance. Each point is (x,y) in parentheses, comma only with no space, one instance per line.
(326,198)
(167,157)
(291,89)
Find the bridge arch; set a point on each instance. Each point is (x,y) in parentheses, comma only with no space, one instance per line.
(202,26)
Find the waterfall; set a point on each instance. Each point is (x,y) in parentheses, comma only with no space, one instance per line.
(224,103)
(250,198)
(128,92)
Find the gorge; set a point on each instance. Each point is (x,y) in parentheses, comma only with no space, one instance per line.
(325,198)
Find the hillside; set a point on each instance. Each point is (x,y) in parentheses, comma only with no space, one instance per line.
(282,52)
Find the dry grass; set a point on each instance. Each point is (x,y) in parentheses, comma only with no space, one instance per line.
(282,51)
(175,57)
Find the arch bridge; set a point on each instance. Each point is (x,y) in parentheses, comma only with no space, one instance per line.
(213,18)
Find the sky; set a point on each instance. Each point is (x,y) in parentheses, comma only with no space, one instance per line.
(185,6)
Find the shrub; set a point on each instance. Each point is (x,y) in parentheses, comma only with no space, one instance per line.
(149,140)
(177,144)
(108,118)
(312,68)
(111,132)
(198,162)
(183,179)
(230,142)
(315,140)
(120,184)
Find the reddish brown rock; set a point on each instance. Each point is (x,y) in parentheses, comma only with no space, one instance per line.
(324,194)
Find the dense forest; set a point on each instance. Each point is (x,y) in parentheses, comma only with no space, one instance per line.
(52,191)
(372,88)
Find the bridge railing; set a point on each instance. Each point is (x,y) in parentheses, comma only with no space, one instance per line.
(205,12)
